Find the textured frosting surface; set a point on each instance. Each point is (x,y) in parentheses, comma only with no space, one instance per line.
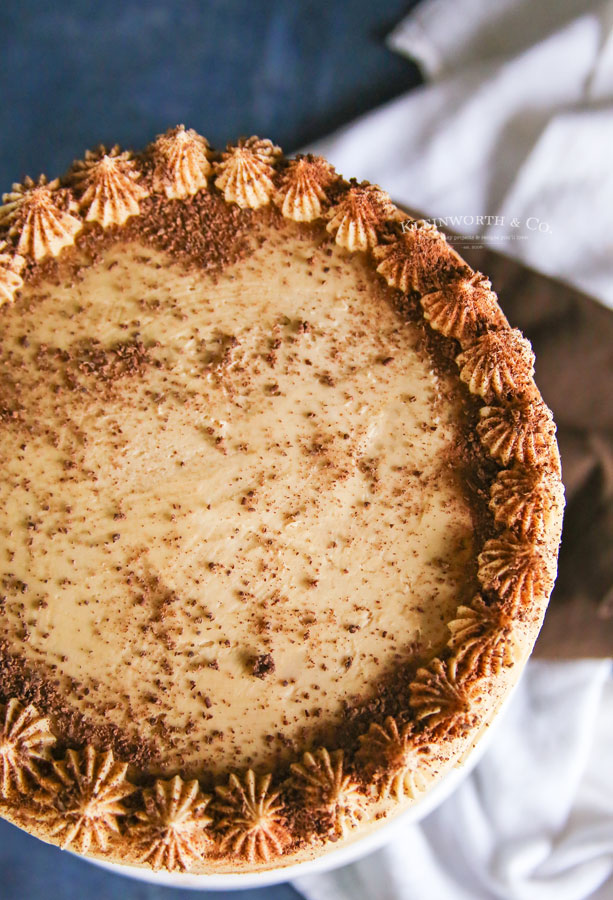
(281,506)
(239,510)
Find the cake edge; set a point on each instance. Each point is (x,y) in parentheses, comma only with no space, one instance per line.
(85,801)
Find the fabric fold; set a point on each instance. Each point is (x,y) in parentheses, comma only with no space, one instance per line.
(518,130)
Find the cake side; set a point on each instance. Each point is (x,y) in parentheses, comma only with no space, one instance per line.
(84,798)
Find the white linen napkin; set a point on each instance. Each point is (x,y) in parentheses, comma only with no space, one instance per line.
(514,125)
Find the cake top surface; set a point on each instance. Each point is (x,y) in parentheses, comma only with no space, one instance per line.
(280,503)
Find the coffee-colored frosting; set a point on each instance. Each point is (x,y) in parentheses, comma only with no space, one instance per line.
(279,511)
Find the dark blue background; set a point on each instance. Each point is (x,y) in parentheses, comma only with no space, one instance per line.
(74,74)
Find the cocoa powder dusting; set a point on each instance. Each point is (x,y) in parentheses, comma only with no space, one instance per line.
(72,728)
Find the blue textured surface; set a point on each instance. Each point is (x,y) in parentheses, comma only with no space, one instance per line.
(74,74)
(32,870)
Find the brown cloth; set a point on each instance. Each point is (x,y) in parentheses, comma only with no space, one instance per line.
(572,337)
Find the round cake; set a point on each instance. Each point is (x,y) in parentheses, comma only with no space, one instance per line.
(280,506)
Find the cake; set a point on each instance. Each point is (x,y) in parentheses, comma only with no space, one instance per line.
(280,507)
